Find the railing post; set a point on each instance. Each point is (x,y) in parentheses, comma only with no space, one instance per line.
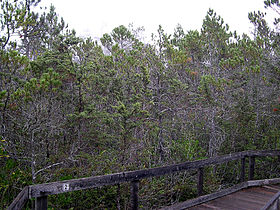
(251,167)
(200,181)
(134,189)
(242,175)
(118,196)
(41,203)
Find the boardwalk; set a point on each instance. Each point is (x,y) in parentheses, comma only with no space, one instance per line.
(250,198)
(41,191)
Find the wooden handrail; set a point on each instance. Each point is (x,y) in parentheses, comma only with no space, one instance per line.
(273,203)
(41,191)
(112,179)
(20,200)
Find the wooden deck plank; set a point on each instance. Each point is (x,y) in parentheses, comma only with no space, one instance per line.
(250,198)
(238,200)
(254,196)
(271,189)
(240,204)
(259,193)
(262,189)
(276,186)
(228,206)
(204,207)
(229,203)
(248,195)
(225,204)
(222,204)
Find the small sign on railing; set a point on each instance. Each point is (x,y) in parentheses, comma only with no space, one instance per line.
(65,187)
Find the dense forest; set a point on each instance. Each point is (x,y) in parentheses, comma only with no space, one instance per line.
(73,107)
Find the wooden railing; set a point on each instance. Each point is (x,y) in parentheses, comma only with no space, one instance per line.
(274,202)
(41,191)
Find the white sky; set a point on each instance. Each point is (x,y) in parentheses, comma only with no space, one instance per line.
(96,17)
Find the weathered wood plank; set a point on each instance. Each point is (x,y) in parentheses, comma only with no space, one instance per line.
(254,196)
(263,182)
(273,203)
(217,195)
(264,153)
(20,200)
(271,188)
(204,207)
(262,190)
(206,198)
(228,204)
(244,202)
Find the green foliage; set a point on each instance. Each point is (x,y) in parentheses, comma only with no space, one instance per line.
(186,150)
(71,108)
(12,177)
